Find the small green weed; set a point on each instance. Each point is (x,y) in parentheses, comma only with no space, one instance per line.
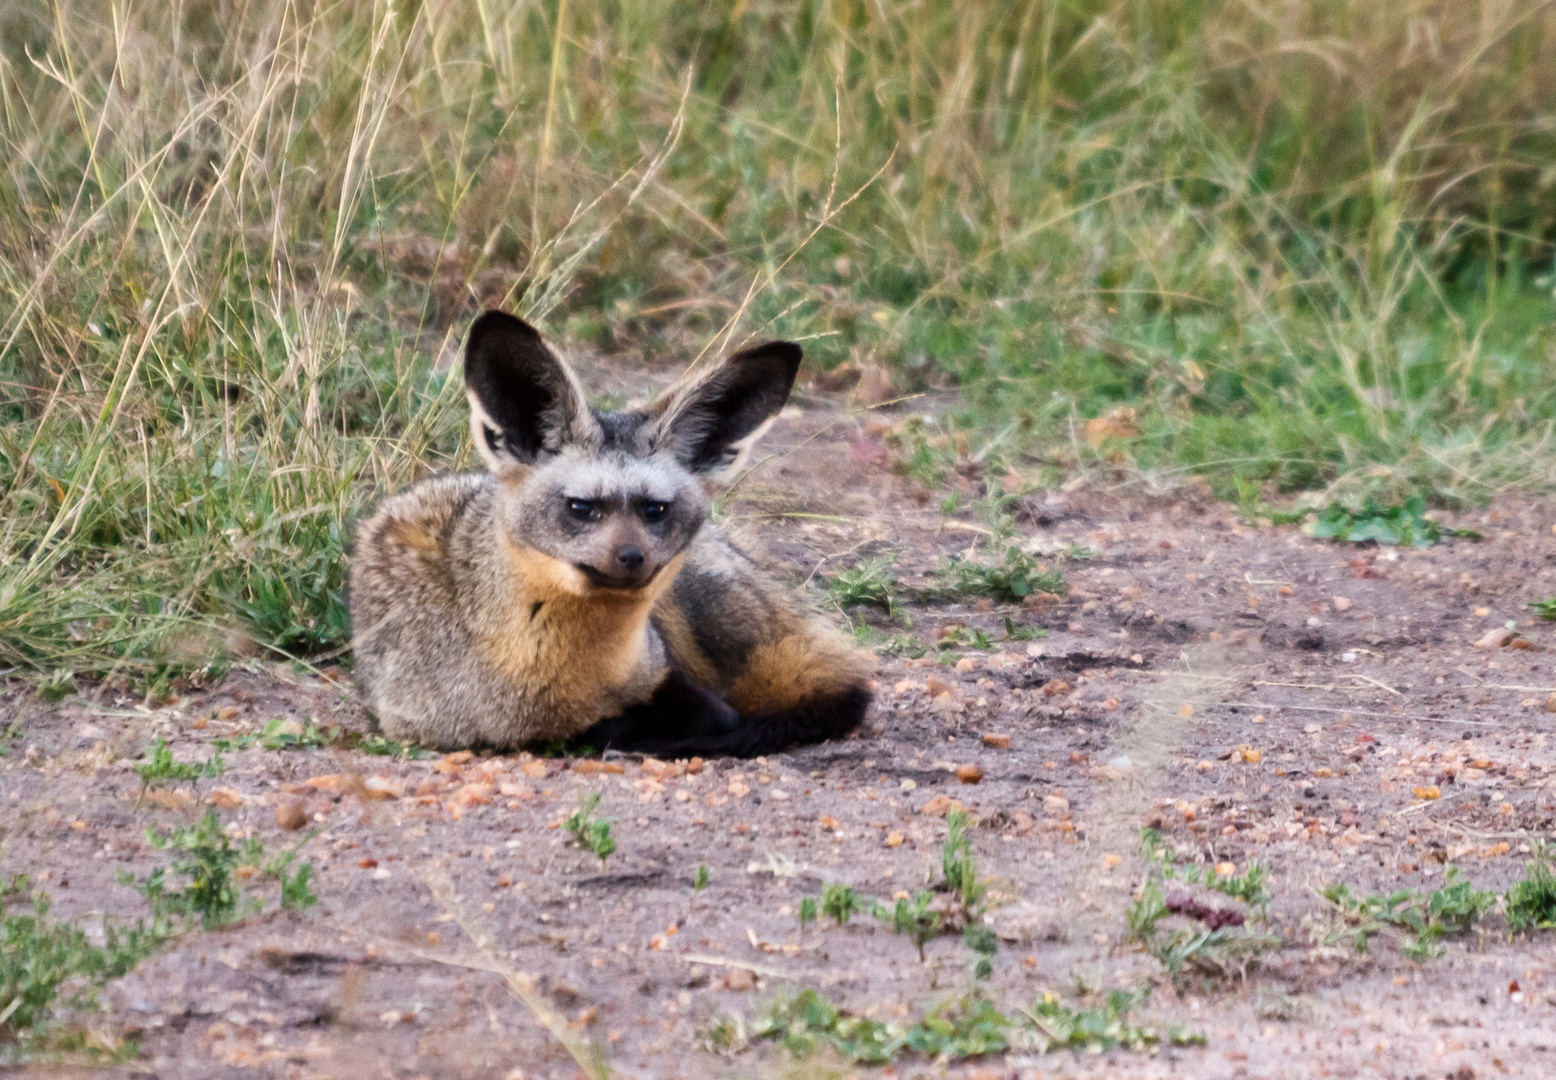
(58,686)
(911,917)
(984,943)
(808,910)
(1211,941)
(379,746)
(839,903)
(589,833)
(283,733)
(700,879)
(209,861)
(1546,609)
(212,867)
(161,769)
(12,733)
(1018,576)
(959,866)
(962,637)
(966,1027)
(1402,524)
(1531,902)
(1251,886)
(1097,1030)
(969,1026)
(295,893)
(994,508)
(870,584)
(961,1028)
(1417,921)
(895,645)
(40,959)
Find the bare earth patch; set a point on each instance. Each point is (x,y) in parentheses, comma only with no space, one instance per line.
(1250,692)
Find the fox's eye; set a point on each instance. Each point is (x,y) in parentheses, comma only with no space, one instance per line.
(655,512)
(583,510)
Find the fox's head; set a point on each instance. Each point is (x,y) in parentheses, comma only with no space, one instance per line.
(612,497)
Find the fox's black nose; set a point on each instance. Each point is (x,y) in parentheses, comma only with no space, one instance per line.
(630,557)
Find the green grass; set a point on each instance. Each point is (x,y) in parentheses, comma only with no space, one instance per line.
(45,963)
(211,869)
(1207,940)
(871,584)
(960,1028)
(588,832)
(1310,248)
(160,768)
(1418,921)
(969,1026)
(1009,580)
(1531,902)
(1106,1027)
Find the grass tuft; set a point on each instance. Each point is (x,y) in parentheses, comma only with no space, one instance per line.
(237,258)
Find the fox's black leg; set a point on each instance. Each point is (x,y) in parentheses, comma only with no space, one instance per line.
(681,716)
(826,716)
(674,733)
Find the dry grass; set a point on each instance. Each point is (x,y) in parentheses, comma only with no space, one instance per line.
(239,241)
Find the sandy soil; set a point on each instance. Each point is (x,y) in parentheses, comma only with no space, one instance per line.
(1187,639)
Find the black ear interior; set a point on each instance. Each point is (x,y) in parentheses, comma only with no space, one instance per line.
(748,389)
(520,384)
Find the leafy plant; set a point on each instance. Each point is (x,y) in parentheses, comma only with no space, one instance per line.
(58,686)
(295,893)
(969,1026)
(590,833)
(1018,576)
(379,746)
(1401,524)
(1250,887)
(1095,1030)
(807,1021)
(282,734)
(958,865)
(961,1028)
(984,943)
(807,913)
(40,959)
(913,918)
(209,862)
(1546,609)
(870,584)
(161,769)
(1214,941)
(1531,903)
(994,508)
(962,637)
(1417,921)
(839,903)
(953,1030)
(700,879)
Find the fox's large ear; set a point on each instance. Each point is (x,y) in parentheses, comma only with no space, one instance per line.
(525,403)
(711,422)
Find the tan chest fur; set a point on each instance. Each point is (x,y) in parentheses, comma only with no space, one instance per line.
(559,640)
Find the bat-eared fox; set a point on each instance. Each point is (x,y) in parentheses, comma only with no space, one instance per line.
(576,589)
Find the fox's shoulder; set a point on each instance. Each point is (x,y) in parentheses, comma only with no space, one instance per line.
(425,516)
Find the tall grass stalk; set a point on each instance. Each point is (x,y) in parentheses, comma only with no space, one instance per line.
(239,240)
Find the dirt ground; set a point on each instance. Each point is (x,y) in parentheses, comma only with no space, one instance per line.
(1186,636)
